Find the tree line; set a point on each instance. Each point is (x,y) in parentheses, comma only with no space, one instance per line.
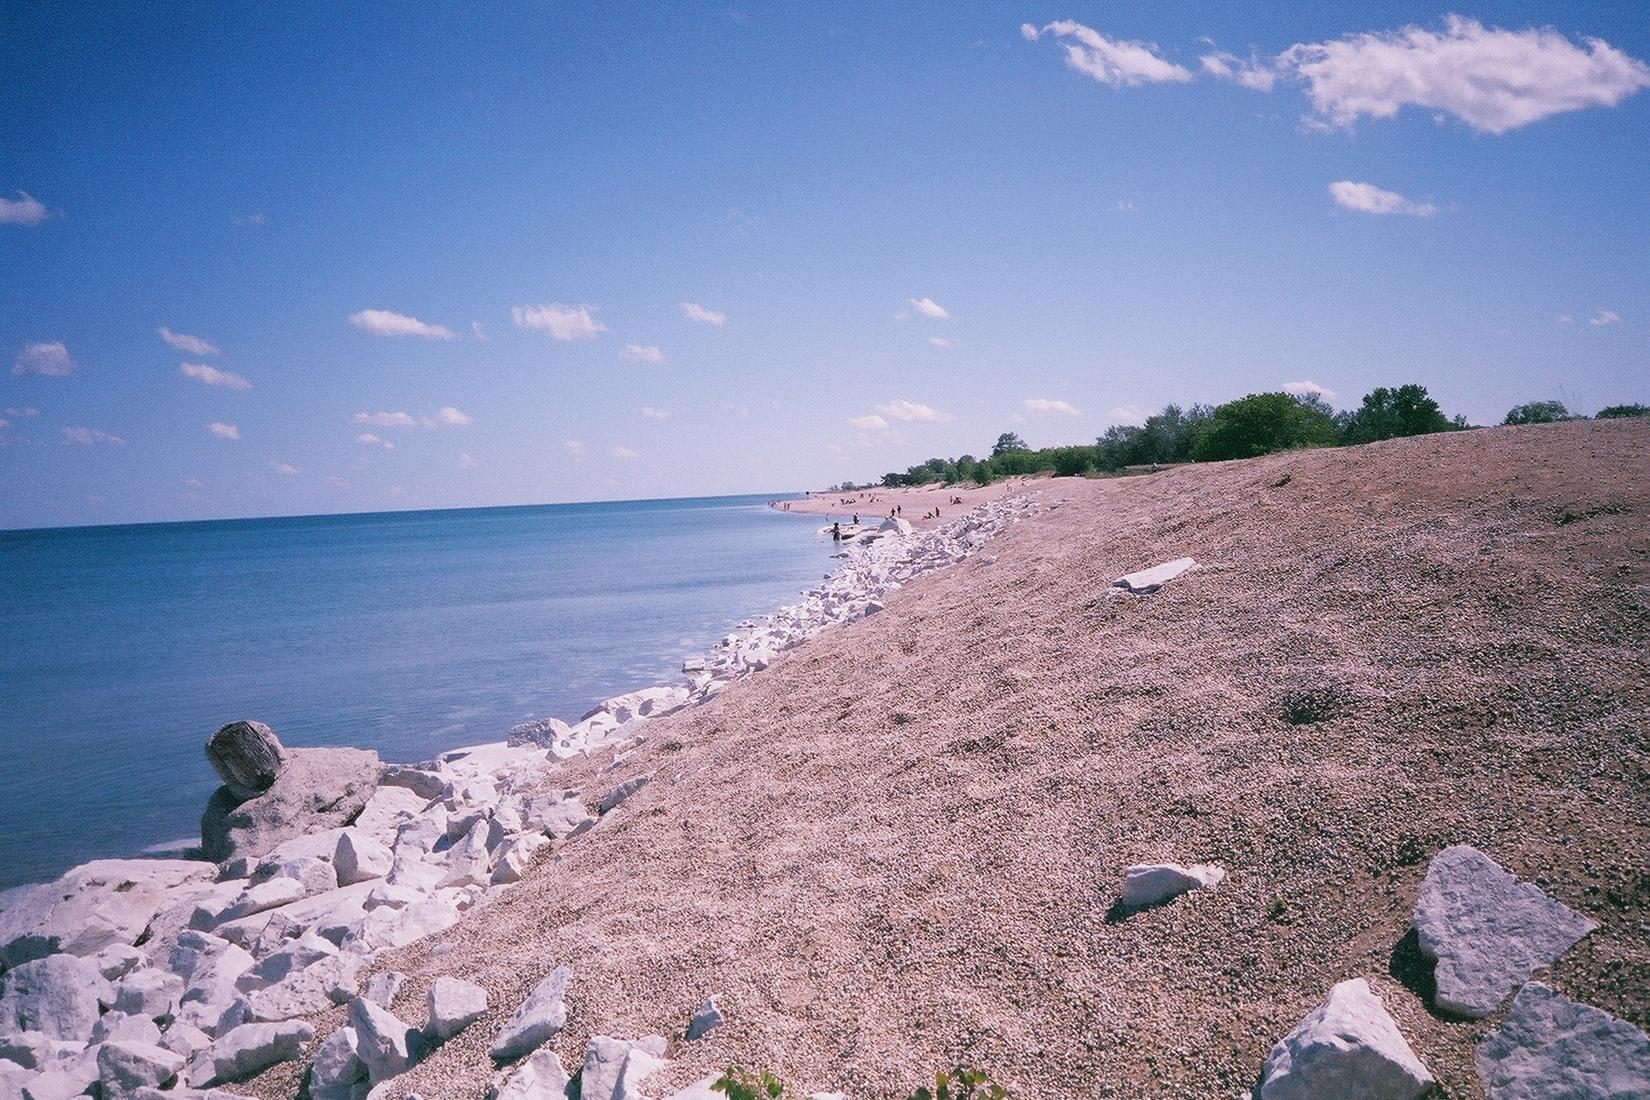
(1258,424)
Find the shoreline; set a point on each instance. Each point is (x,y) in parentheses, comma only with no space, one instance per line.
(916,503)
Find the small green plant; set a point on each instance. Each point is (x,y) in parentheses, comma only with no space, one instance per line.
(961,1084)
(742,1084)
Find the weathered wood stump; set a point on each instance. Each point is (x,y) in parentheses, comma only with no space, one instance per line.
(247,756)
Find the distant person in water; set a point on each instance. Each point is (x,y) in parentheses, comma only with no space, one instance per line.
(856,519)
(836,531)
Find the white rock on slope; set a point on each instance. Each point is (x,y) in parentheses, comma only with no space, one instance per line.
(358,857)
(104,903)
(614,1068)
(57,996)
(1153,883)
(1347,1048)
(540,1076)
(1146,581)
(385,1044)
(251,1048)
(125,1067)
(453,1006)
(1487,930)
(1549,1046)
(537,1018)
(337,1066)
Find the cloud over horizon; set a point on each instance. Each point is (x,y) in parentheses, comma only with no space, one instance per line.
(1366,198)
(1308,388)
(45,358)
(91,437)
(189,345)
(693,311)
(643,353)
(212,376)
(930,308)
(383,322)
(561,322)
(1051,405)
(25,209)
(912,411)
(1107,60)
(223,431)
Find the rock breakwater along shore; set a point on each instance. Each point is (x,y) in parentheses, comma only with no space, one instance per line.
(152,978)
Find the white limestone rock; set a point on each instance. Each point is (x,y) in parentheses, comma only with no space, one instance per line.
(707,1018)
(28,1049)
(613,798)
(150,992)
(385,1044)
(266,895)
(57,996)
(1146,581)
(470,861)
(125,1067)
(358,857)
(123,1026)
(181,1038)
(614,1068)
(453,1006)
(104,903)
(516,854)
(388,809)
(557,816)
(314,872)
(1549,1046)
(1347,1048)
(253,1048)
(540,1076)
(382,988)
(337,1067)
(1154,883)
(118,960)
(536,1019)
(1487,930)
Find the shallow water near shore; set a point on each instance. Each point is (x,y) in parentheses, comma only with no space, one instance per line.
(122,648)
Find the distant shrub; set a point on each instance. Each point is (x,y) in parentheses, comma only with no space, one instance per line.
(1538,412)
(1071,461)
(1393,413)
(960,1084)
(1622,412)
(1261,424)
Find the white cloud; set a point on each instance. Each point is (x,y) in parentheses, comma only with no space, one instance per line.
(1492,79)
(930,308)
(693,311)
(561,322)
(575,448)
(189,345)
(625,453)
(385,419)
(23,210)
(223,431)
(1253,74)
(1125,206)
(48,358)
(26,410)
(941,342)
(1308,388)
(1127,414)
(285,469)
(374,441)
(383,322)
(212,376)
(478,332)
(868,423)
(452,418)
(1051,405)
(91,437)
(1108,60)
(1565,319)
(911,410)
(654,414)
(1366,198)
(466,461)
(1604,317)
(643,353)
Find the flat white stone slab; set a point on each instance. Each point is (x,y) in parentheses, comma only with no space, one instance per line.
(1147,581)
(1347,1048)
(1487,930)
(1550,1046)
(1153,883)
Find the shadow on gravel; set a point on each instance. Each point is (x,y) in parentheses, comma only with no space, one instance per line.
(1414,971)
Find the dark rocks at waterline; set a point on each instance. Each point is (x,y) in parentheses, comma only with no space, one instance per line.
(247,756)
(318,789)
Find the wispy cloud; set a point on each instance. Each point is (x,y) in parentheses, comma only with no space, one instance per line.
(450,417)
(385,419)
(912,411)
(1308,388)
(1604,317)
(868,423)
(654,414)
(575,448)
(1127,414)
(91,437)
(941,342)
(223,431)
(625,453)
(286,469)
(930,308)
(48,358)
(1366,198)
(478,331)
(1492,79)
(1254,74)
(466,461)
(26,410)
(189,345)
(693,311)
(1051,405)
(561,322)
(212,376)
(383,322)
(25,209)
(371,440)
(1108,60)
(643,353)
(445,417)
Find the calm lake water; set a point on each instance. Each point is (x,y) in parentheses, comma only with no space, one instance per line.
(123,648)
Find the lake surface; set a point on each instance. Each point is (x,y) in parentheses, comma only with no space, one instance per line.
(123,648)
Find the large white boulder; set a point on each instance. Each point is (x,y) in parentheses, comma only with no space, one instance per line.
(540,1076)
(125,1067)
(614,1068)
(252,1048)
(536,1019)
(385,1044)
(1154,883)
(1549,1046)
(358,857)
(1347,1048)
(337,1067)
(100,904)
(516,854)
(149,992)
(454,1005)
(1143,582)
(1487,930)
(57,996)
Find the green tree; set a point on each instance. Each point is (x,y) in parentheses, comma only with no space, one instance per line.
(1538,412)
(1120,446)
(1071,461)
(1392,413)
(1007,442)
(1262,423)
(1622,412)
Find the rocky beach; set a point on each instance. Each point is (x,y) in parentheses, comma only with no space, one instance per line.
(1322,774)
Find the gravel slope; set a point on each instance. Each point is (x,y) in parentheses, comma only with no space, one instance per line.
(900,845)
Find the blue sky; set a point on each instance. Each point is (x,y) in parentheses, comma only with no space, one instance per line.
(474,235)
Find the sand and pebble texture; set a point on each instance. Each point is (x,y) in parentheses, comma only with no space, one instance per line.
(1347,1048)
(1548,1047)
(1487,930)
